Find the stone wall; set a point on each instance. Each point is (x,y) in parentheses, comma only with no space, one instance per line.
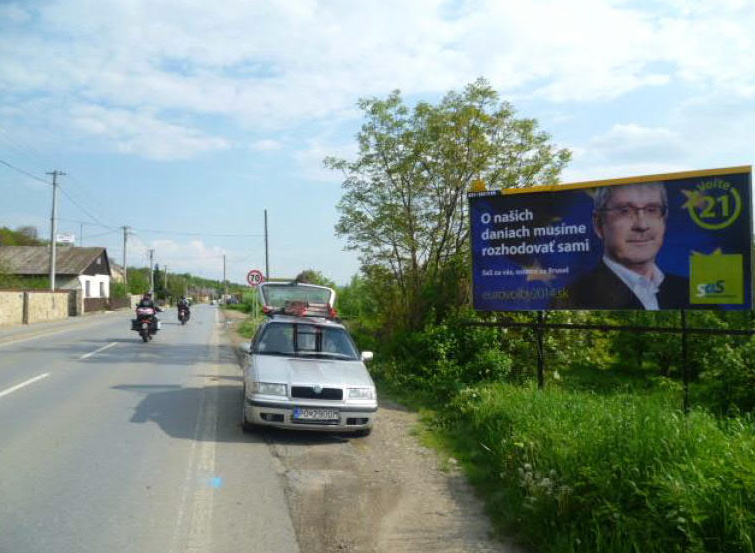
(36,306)
(47,306)
(11,308)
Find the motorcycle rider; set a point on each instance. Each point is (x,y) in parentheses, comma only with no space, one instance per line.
(183,305)
(147,301)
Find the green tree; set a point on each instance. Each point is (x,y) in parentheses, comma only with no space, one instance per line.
(311,276)
(404,206)
(22,236)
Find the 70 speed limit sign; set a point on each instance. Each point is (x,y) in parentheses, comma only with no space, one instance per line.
(255,278)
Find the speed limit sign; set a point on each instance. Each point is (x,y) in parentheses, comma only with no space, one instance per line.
(255,278)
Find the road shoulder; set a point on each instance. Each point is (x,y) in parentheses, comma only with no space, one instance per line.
(384,493)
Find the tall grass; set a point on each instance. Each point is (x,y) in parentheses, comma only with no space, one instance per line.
(571,471)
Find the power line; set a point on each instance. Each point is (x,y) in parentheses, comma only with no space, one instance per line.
(35,177)
(103,234)
(24,148)
(82,222)
(200,234)
(74,202)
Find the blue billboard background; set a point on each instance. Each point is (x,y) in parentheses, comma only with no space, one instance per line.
(528,248)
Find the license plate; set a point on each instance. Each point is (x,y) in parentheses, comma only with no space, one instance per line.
(315,414)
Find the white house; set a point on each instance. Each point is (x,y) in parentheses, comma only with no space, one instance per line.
(85,269)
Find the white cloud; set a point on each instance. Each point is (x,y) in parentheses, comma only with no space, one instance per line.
(266,145)
(144,134)
(628,150)
(14,13)
(310,159)
(278,64)
(192,256)
(632,143)
(274,62)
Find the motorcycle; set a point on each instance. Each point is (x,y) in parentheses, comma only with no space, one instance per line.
(183,315)
(146,323)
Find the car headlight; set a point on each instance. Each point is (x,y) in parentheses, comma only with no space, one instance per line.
(270,388)
(361,393)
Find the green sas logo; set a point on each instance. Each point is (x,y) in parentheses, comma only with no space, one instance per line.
(716,278)
(714,204)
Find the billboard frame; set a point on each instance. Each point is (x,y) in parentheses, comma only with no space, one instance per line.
(540,325)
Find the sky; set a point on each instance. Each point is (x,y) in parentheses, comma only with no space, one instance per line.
(188,120)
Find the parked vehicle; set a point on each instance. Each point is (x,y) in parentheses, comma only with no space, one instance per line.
(146,323)
(303,370)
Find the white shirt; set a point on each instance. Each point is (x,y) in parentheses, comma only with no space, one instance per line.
(645,289)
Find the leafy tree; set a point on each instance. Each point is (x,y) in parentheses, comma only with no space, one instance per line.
(311,276)
(404,206)
(22,236)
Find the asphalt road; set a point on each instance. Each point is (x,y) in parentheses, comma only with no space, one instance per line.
(108,444)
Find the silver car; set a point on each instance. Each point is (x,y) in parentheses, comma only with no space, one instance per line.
(303,370)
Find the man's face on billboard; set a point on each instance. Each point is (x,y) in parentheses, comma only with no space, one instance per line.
(632,226)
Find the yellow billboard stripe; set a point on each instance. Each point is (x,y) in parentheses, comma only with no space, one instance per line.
(631,180)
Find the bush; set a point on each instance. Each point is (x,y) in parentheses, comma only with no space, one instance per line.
(575,472)
(728,387)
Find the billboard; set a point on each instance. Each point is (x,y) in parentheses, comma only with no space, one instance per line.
(672,241)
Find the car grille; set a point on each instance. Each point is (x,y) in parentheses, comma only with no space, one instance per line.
(307,392)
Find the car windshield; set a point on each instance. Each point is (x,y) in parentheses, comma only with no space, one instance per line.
(306,340)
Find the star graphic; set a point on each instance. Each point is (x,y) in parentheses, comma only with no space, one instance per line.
(717,251)
(695,199)
(538,275)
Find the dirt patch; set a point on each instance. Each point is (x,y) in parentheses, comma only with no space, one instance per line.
(385,493)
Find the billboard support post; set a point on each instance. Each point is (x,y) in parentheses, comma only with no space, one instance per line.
(540,349)
(541,325)
(685,369)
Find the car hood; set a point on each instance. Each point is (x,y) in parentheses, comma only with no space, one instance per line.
(306,372)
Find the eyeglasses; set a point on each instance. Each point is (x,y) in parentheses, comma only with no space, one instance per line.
(652,211)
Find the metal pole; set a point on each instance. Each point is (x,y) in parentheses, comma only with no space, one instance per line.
(81,234)
(540,350)
(125,270)
(685,370)
(267,264)
(54,225)
(151,272)
(225,282)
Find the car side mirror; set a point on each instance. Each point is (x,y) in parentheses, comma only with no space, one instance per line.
(246,348)
(367,356)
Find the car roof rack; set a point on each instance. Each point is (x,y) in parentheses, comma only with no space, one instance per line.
(298,308)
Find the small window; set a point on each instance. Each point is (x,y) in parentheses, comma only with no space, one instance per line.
(102,289)
(88,289)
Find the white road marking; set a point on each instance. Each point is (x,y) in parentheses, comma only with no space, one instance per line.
(195,512)
(19,386)
(103,348)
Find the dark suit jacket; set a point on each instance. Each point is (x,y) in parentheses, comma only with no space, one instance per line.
(601,288)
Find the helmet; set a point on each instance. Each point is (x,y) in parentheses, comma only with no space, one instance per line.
(147,296)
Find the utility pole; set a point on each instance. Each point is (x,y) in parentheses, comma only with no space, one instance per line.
(151,272)
(125,270)
(267,265)
(165,280)
(54,225)
(225,282)
(81,234)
